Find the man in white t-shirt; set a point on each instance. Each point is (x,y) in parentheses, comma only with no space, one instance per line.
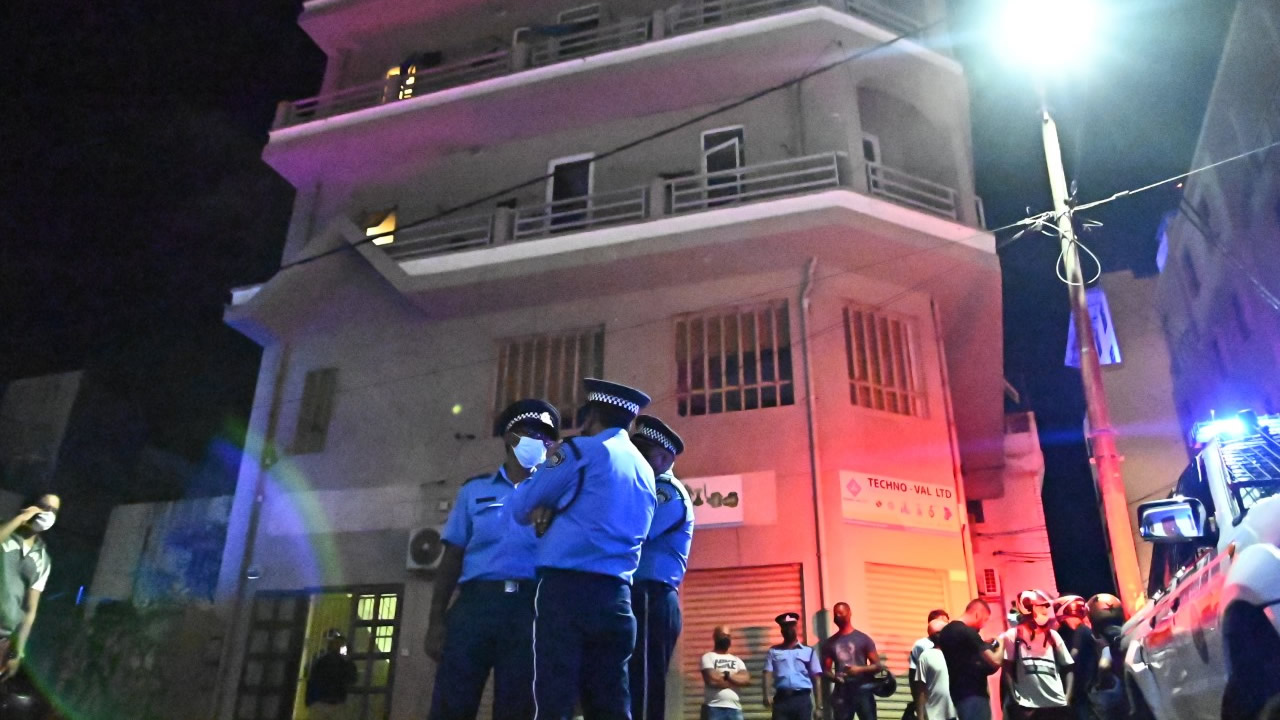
(933,695)
(926,642)
(723,674)
(1036,664)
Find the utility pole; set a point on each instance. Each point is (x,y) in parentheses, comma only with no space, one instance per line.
(1102,438)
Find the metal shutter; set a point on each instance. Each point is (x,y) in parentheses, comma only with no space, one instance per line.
(747,600)
(899,600)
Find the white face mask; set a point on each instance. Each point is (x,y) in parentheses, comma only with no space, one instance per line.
(530,453)
(43,521)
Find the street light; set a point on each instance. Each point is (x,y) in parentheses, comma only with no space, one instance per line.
(1045,35)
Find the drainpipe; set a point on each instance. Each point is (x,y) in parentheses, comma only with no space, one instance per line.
(957,471)
(266,459)
(815,466)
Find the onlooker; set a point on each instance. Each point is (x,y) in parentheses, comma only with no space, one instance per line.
(1036,663)
(722,675)
(1107,699)
(795,667)
(926,642)
(23,574)
(1073,618)
(970,660)
(850,661)
(330,679)
(931,684)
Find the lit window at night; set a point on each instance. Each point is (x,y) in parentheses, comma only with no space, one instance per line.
(736,360)
(884,369)
(550,367)
(381,227)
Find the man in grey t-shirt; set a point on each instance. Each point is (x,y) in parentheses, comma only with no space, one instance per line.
(930,681)
(850,662)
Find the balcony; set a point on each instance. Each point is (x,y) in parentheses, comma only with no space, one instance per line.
(685,18)
(664,198)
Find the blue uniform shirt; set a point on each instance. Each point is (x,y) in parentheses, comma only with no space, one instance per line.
(665,554)
(793,668)
(603,516)
(494,547)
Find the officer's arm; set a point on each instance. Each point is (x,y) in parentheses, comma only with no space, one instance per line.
(446,581)
(545,487)
(766,684)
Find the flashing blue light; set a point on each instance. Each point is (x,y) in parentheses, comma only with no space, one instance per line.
(1231,428)
(80,595)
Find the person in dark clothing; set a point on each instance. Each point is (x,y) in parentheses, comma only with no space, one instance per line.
(330,679)
(1074,628)
(970,660)
(850,662)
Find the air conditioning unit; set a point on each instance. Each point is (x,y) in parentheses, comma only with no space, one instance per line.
(988,582)
(426,548)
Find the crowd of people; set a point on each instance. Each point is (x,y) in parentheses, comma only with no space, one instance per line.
(1056,662)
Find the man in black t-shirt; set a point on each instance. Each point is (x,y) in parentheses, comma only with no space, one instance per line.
(330,679)
(970,660)
(1075,632)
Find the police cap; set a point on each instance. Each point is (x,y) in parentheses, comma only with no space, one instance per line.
(603,392)
(788,618)
(654,430)
(534,412)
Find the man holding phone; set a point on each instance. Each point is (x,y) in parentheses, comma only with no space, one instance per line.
(723,674)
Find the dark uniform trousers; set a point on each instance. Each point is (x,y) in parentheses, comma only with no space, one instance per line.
(487,628)
(658,625)
(793,705)
(583,634)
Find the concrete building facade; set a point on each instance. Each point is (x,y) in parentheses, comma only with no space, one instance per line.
(1219,292)
(800,280)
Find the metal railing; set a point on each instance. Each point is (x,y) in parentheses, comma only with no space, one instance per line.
(582,213)
(441,236)
(686,17)
(397,87)
(590,42)
(754,182)
(912,191)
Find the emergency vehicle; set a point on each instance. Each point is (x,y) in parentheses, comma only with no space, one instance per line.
(1207,645)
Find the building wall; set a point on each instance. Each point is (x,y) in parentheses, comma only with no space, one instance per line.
(396,448)
(1140,393)
(1225,244)
(34,414)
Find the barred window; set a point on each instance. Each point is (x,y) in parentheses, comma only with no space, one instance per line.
(551,368)
(317,407)
(734,360)
(884,371)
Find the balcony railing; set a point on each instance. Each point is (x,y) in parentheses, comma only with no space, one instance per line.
(695,193)
(582,213)
(590,42)
(912,191)
(754,182)
(686,17)
(442,236)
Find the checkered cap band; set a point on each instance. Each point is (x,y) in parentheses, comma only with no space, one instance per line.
(608,399)
(544,418)
(657,437)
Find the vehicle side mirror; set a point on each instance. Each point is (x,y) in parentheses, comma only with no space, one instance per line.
(1175,520)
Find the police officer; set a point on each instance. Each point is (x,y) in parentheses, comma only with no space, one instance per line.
(664,557)
(593,505)
(792,668)
(490,560)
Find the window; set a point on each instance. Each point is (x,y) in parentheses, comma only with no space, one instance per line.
(269,678)
(380,227)
(1219,359)
(1242,319)
(317,406)
(975,512)
(1193,278)
(883,368)
(734,360)
(550,367)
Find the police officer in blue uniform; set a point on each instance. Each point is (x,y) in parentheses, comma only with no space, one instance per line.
(793,670)
(490,560)
(664,557)
(592,505)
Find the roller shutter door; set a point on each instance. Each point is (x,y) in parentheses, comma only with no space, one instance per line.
(899,600)
(747,600)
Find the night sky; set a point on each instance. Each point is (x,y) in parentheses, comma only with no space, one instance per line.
(133,198)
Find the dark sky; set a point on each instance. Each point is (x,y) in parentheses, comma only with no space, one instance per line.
(133,197)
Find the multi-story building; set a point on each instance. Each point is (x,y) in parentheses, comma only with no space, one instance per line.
(1220,254)
(496,200)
